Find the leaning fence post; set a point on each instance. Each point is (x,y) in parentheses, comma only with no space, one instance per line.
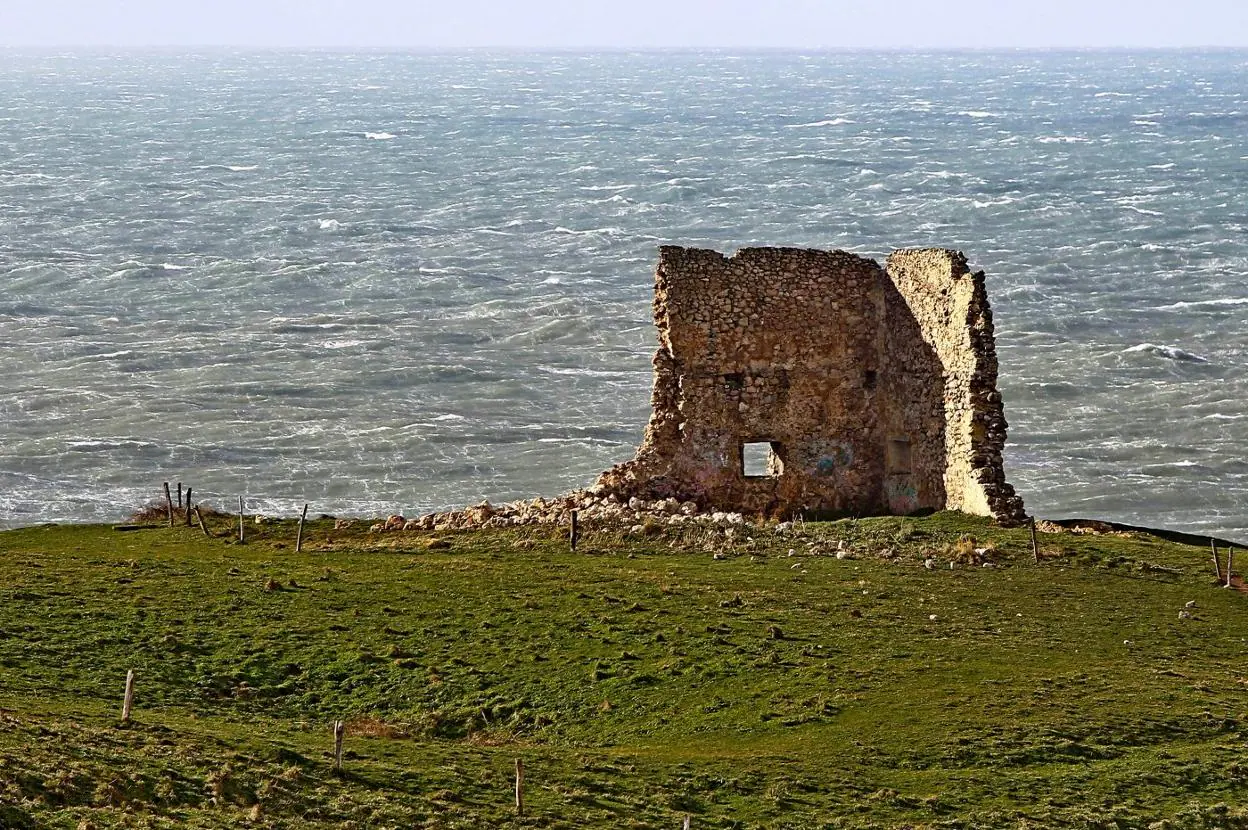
(127,702)
(1217,566)
(519,787)
(200,517)
(1035,546)
(339,730)
(169,503)
(575,533)
(240,520)
(299,535)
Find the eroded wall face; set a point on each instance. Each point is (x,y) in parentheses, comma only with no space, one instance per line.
(950,305)
(794,381)
(912,411)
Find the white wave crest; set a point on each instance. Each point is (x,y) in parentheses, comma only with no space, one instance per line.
(379,136)
(1170,352)
(609,231)
(831,122)
(1001,200)
(1225,301)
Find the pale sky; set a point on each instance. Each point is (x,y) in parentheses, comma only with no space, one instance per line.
(624,23)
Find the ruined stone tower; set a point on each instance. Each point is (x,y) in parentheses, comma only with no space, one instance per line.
(799,381)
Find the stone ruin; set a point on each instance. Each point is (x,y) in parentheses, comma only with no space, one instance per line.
(794,382)
(810,382)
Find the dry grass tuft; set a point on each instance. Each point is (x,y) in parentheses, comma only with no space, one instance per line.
(377,728)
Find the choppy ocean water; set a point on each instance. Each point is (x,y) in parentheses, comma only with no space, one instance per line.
(395,282)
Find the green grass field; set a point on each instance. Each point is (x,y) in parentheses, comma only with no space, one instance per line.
(640,680)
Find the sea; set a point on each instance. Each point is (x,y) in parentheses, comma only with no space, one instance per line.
(381,282)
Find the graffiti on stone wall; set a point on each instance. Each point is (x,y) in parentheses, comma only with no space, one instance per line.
(903,496)
(831,457)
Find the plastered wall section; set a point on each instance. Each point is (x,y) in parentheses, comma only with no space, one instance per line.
(817,358)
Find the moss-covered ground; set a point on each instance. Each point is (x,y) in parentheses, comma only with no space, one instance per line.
(757,681)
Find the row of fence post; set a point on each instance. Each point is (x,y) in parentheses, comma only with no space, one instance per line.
(1217,566)
(574,533)
(339,733)
(189,509)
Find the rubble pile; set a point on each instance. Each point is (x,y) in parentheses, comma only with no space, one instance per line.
(592,508)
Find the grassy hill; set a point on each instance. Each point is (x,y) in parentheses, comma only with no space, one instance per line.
(751,680)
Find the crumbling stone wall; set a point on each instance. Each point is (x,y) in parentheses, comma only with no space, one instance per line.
(950,305)
(872,390)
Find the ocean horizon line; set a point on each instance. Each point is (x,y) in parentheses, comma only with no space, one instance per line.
(589,49)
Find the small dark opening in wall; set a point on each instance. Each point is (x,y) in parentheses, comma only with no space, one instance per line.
(868,379)
(734,381)
(897,455)
(761,459)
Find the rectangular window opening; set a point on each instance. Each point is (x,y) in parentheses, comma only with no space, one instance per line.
(759,459)
(898,455)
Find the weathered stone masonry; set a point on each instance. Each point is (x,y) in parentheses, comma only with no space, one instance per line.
(871,390)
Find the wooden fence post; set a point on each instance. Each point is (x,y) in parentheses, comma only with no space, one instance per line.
(688,818)
(1230,563)
(1217,566)
(519,787)
(179,495)
(188,506)
(169,503)
(241,534)
(576,532)
(128,701)
(299,535)
(339,731)
(1035,546)
(202,526)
